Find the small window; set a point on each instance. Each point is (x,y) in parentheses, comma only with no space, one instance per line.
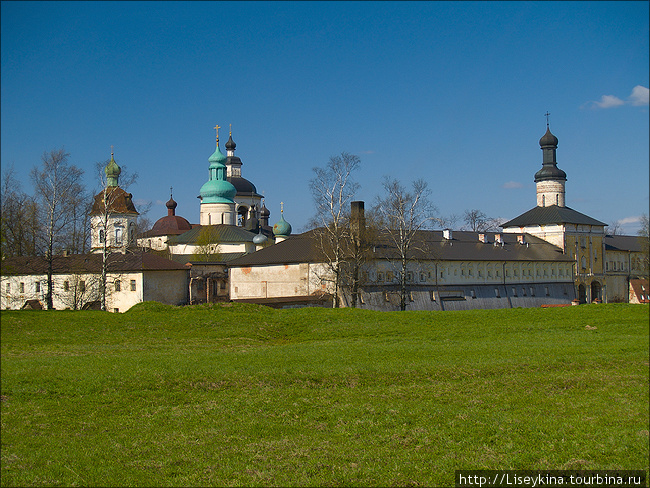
(523,291)
(389,276)
(422,277)
(409,276)
(37,286)
(380,276)
(118,236)
(118,285)
(101,236)
(496,293)
(532,291)
(433,295)
(8,287)
(116,310)
(472,293)
(514,291)
(82,286)
(546,291)
(132,285)
(22,287)
(66,286)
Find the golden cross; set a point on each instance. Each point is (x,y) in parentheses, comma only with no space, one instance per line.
(281,207)
(230,130)
(111,149)
(217,128)
(547,114)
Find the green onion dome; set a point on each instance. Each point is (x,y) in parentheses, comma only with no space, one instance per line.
(112,171)
(217,189)
(282,228)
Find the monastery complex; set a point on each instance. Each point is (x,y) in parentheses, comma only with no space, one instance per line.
(551,255)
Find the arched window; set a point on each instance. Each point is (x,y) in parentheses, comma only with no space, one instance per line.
(101,236)
(583,262)
(118,235)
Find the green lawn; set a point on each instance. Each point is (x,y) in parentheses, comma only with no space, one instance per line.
(242,395)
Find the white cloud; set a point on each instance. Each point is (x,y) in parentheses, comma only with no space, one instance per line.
(639,95)
(512,184)
(629,220)
(609,101)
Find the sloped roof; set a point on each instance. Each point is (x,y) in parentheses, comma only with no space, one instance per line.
(464,246)
(89,263)
(222,233)
(552,214)
(119,201)
(623,243)
(295,249)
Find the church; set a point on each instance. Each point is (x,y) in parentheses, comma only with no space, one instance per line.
(551,255)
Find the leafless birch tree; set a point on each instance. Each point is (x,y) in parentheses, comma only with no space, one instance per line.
(333,189)
(103,208)
(401,215)
(56,187)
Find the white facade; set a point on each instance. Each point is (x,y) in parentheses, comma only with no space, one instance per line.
(74,290)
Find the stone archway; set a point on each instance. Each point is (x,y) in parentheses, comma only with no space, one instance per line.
(582,293)
(596,290)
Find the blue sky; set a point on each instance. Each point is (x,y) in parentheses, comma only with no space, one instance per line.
(452,92)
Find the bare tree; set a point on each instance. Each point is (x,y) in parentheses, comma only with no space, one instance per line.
(56,185)
(402,214)
(107,201)
(477,221)
(333,189)
(20,223)
(614,229)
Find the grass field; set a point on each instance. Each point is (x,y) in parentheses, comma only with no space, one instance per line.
(242,395)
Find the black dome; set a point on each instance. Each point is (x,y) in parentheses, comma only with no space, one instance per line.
(243,186)
(548,139)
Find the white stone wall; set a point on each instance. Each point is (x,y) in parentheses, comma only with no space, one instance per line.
(169,287)
(222,247)
(218,213)
(71,289)
(550,193)
(124,222)
(274,281)
(471,272)
(157,243)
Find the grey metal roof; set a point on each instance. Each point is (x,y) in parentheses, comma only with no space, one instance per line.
(222,233)
(295,249)
(464,246)
(89,263)
(552,214)
(623,243)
